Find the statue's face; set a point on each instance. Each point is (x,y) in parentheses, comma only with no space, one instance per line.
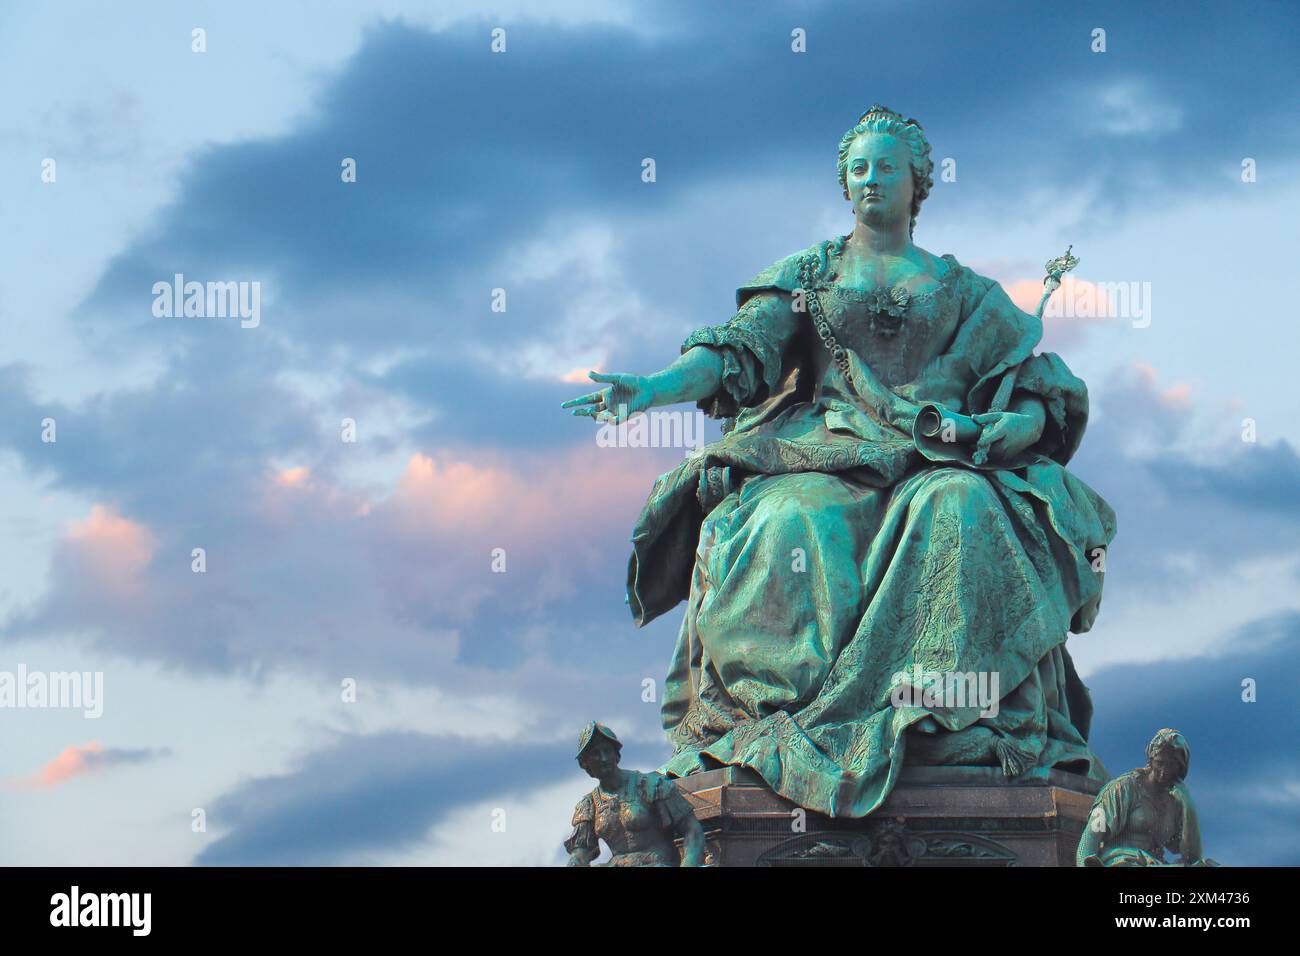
(1164,770)
(600,759)
(879,179)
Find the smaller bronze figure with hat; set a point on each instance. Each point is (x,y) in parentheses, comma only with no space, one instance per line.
(636,814)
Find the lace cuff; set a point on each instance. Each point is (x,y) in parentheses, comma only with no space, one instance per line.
(738,377)
(751,355)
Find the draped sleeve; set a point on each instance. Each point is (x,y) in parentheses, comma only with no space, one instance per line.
(753,346)
(1116,802)
(1064,396)
(991,361)
(584,827)
(1107,818)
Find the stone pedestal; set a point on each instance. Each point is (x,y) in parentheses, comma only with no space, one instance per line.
(935,816)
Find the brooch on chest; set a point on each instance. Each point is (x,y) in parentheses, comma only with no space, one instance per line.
(886,308)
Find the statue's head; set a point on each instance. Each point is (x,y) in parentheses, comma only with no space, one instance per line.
(598,750)
(1168,757)
(885,167)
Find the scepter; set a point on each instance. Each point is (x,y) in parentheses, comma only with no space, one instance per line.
(932,419)
(1055,269)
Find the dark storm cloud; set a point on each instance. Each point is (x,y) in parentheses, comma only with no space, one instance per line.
(371,793)
(461,152)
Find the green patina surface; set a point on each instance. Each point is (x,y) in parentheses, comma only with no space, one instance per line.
(1140,815)
(828,543)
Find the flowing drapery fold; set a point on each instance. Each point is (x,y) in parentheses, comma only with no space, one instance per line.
(824,549)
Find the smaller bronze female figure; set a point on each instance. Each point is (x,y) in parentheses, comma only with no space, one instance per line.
(1142,813)
(636,814)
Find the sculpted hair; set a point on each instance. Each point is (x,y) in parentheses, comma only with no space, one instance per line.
(881,119)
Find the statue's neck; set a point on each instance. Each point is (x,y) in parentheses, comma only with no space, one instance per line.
(613,782)
(894,239)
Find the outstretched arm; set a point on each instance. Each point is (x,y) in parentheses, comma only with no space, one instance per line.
(697,374)
(736,363)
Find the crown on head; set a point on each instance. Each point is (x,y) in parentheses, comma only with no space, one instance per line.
(879,110)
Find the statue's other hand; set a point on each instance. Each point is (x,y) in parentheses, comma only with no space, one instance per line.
(626,395)
(1003,436)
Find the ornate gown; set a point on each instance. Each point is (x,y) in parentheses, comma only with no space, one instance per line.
(823,548)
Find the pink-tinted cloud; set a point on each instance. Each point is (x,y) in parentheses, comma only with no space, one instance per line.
(448,495)
(74,761)
(107,553)
(440,496)
(1074,308)
(1175,397)
(292,477)
(549,518)
(79,760)
(310,571)
(1025,293)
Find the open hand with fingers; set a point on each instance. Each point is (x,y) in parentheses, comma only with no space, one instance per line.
(625,396)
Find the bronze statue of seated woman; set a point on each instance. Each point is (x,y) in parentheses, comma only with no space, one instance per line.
(840,535)
(1141,814)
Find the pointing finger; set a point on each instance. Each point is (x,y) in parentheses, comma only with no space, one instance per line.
(585,399)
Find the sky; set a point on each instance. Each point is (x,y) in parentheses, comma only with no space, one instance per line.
(355,678)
